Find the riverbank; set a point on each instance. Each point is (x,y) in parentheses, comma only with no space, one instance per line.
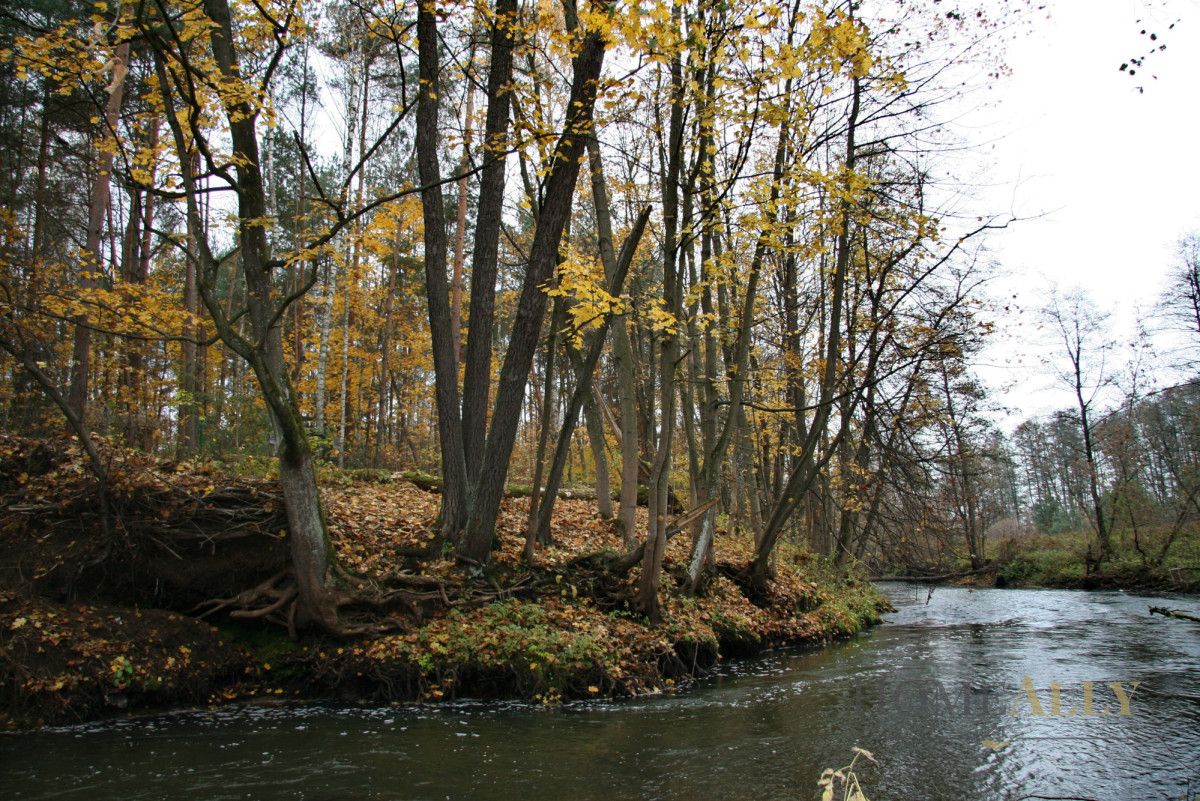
(937,694)
(90,629)
(1153,563)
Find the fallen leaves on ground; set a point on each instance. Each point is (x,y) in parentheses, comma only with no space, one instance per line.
(562,637)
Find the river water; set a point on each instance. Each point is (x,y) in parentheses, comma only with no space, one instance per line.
(943,694)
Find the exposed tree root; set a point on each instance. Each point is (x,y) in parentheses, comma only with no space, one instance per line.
(361,606)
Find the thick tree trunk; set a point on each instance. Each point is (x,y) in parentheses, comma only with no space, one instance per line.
(531,306)
(477,375)
(263,349)
(449,424)
(307,544)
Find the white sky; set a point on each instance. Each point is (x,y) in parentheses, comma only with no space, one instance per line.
(1111,175)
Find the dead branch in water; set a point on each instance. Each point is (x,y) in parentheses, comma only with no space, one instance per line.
(942,577)
(1162,610)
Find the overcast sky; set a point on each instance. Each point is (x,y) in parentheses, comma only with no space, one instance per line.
(1109,176)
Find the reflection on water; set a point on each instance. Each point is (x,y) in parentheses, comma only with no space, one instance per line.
(938,694)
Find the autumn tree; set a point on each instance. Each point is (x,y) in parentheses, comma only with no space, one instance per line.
(200,53)
(751,298)
(471,504)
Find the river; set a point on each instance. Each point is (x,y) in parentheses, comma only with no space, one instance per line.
(954,695)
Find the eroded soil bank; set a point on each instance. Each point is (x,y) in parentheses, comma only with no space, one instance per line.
(94,625)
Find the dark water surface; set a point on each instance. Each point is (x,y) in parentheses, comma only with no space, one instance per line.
(938,694)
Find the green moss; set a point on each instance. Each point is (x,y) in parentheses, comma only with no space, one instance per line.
(331,475)
(737,634)
(271,648)
(851,608)
(510,647)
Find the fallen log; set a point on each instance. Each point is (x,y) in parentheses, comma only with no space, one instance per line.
(432,483)
(943,577)
(1162,610)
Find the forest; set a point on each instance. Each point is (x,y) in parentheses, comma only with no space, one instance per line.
(379,322)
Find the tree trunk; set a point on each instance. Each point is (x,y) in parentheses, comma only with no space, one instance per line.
(583,384)
(531,306)
(263,350)
(187,435)
(714,459)
(806,468)
(622,354)
(450,431)
(460,226)
(97,211)
(344,389)
(647,600)
(595,429)
(324,328)
(532,537)
(39,191)
(382,422)
(484,255)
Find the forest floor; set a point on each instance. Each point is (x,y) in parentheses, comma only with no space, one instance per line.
(94,626)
